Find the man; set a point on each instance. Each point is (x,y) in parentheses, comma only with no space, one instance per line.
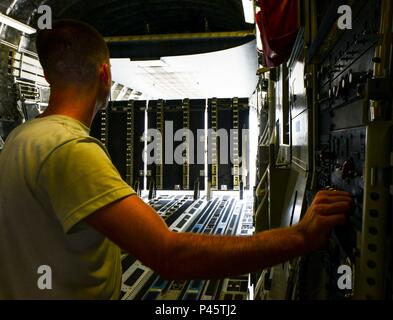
(65,206)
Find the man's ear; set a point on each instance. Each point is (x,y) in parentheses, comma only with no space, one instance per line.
(105,74)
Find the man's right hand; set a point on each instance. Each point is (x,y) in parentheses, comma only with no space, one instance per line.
(328,210)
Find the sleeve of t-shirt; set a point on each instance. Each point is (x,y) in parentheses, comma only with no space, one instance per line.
(77,179)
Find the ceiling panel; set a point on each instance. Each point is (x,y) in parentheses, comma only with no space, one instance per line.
(226,73)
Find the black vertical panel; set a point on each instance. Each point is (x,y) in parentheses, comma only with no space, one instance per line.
(212,108)
(244,124)
(173,172)
(197,122)
(117,135)
(138,145)
(151,124)
(225,122)
(95,129)
(209,127)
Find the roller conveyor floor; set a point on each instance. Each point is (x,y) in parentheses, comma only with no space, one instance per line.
(225,214)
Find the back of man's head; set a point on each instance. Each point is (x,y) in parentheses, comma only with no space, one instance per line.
(71,53)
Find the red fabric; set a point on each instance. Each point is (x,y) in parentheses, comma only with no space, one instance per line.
(278,23)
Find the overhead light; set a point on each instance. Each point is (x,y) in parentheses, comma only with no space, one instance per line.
(16,24)
(249,11)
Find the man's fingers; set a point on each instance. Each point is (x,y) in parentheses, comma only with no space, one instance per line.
(335,220)
(333,193)
(336,208)
(323,199)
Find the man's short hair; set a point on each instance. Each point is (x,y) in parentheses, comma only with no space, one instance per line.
(71,53)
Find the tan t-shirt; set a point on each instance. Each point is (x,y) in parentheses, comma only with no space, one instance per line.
(52,176)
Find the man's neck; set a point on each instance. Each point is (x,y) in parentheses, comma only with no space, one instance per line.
(77,106)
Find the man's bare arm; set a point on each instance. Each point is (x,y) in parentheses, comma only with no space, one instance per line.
(138,229)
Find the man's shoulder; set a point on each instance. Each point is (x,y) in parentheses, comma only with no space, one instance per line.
(45,135)
(54,130)
(57,125)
